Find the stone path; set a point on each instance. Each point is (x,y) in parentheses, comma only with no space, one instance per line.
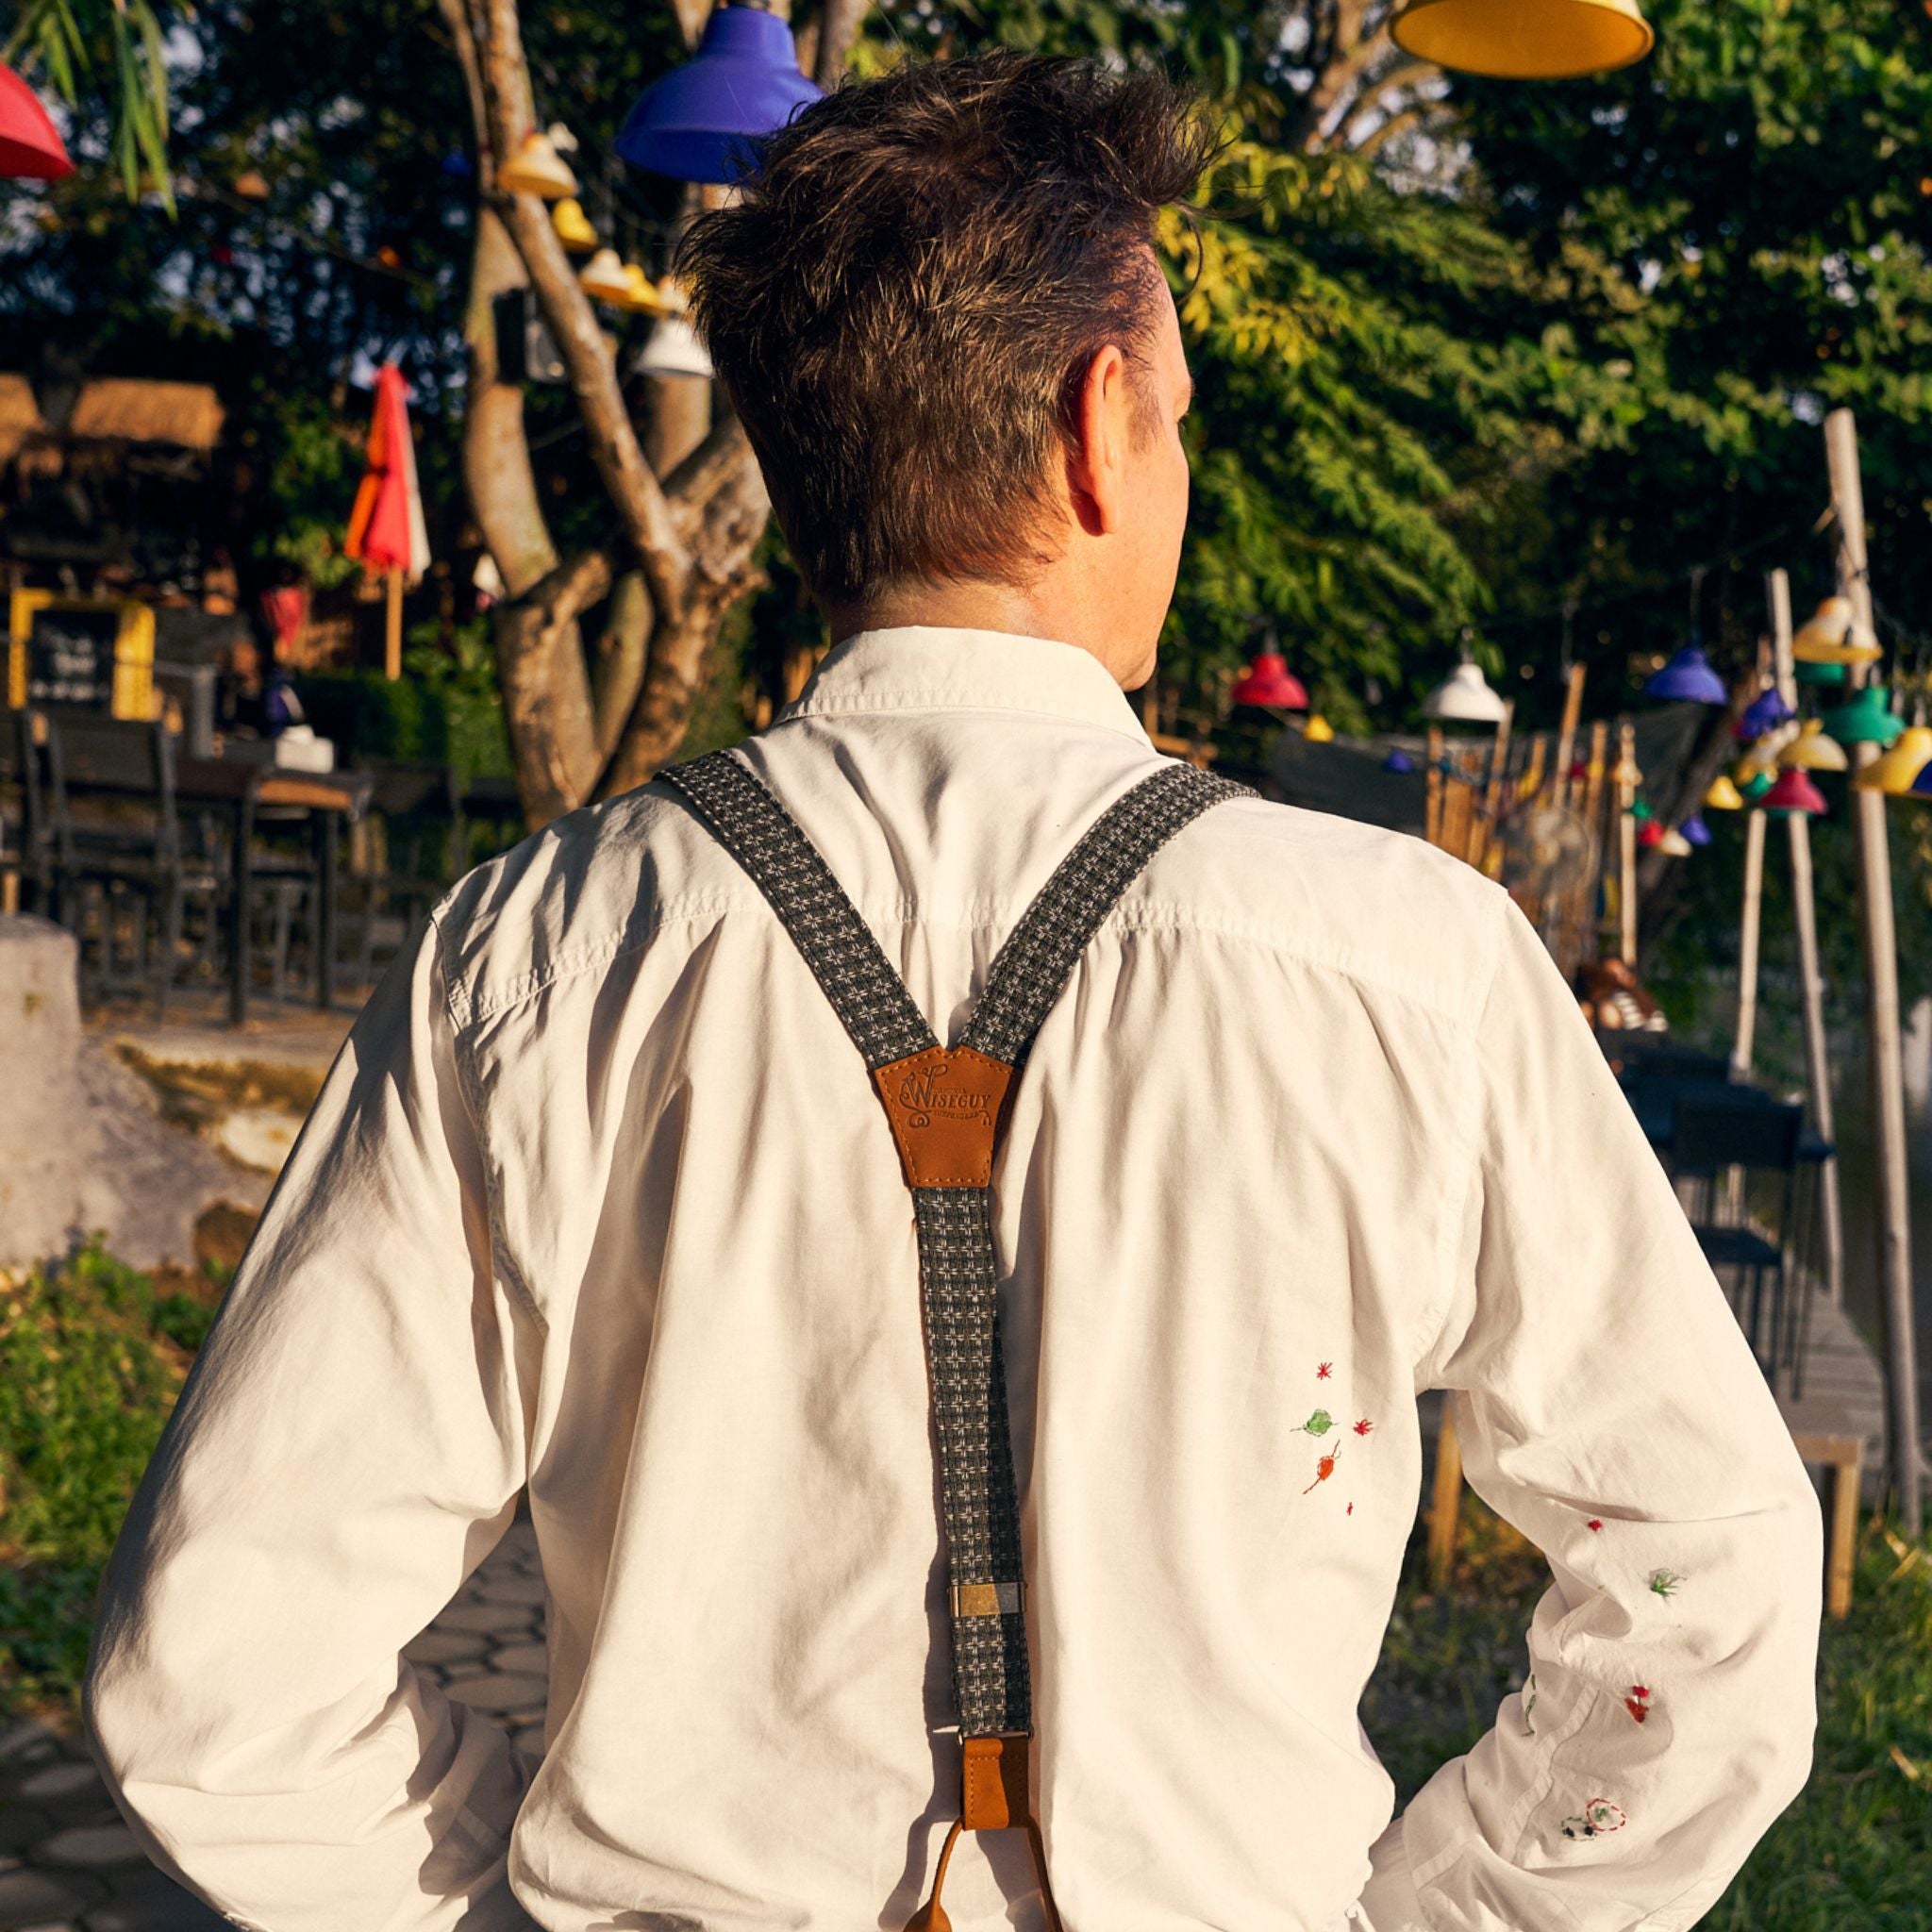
(69,1864)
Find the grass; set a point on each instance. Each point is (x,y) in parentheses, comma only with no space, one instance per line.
(92,1354)
(1854,1851)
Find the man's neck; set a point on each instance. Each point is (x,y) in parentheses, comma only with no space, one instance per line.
(972,605)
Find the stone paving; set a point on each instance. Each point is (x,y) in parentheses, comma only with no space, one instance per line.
(69,1864)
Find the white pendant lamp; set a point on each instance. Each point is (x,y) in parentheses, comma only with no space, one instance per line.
(1464,697)
(674,349)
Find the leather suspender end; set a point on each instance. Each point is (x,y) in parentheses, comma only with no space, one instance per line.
(989,1599)
(993,1781)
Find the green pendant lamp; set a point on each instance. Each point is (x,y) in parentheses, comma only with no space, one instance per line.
(1865,718)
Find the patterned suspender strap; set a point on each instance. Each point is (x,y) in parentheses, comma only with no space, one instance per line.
(946,1107)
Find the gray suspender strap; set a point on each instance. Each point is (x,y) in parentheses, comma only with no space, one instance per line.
(945,1106)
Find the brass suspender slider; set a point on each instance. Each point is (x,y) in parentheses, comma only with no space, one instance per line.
(989,1599)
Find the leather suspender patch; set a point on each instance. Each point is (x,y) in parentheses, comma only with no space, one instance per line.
(943,1106)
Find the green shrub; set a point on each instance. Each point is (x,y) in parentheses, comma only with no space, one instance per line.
(86,1385)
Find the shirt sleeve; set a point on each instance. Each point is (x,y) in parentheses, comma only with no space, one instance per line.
(347,1447)
(1609,1407)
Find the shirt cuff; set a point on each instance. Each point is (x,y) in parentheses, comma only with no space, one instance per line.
(1390,1902)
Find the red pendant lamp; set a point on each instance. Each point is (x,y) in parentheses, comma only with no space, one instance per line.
(30,146)
(1269,681)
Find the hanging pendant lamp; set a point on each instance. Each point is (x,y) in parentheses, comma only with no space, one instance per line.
(1689,678)
(30,146)
(1464,697)
(1901,768)
(603,278)
(573,225)
(1827,675)
(1695,830)
(1833,635)
(1813,751)
(1921,785)
(642,297)
(1524,40)
(1723,794)
(1794,791)
(1865,718)
(674,349)
(697,123)
(537,168)
(1765,713)
(1318,730)
(1650,833)
(1673,844)
(1398,760)
(1268,681)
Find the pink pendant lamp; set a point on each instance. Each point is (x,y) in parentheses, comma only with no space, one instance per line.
(1269,681)
(1793,791)
(30,146)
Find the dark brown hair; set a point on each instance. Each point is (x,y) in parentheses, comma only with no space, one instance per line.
(902,304)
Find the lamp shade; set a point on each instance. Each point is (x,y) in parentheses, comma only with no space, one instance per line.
(1864,718)
(1673,844)
(1899,770)
(1723,794)
(1269,681)
(1793,791)
(1921,785)
(30,146)
(603,278)
(537,168)
(1765,713)
(1524,40)
(1695,830)
(1650,833)
(1830,674)
(573,225)
(1687,678)
(698,122)
(1753,782)
(1398,760)
(1833,635)
(674,349)
(1813,751)
(1464,697)
(1318,730)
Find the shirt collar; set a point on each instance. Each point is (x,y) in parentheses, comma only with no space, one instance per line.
(920,667)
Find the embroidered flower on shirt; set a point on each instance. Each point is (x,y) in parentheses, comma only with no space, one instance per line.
(1324,1468)
(1597,1819)
(1638,1703)
(1665,1582)
(1323,1370)
(1317,1425)
(1362,1428)
(1350,1510)
(1594,1522)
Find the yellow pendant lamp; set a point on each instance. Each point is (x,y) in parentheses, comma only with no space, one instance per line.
(603,278)
(1833,635)
(537,168)
(1524,40)
(1813,751)
(643,298)
(1723,795)
(1897,770)
(1318,730)
(573,225)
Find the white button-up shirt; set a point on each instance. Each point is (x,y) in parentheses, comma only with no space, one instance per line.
(599,1199)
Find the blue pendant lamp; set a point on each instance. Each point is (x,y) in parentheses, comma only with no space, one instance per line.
(1764,714)
(1688,677)
(697,123)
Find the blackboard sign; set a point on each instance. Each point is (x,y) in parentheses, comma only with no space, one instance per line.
(93,653)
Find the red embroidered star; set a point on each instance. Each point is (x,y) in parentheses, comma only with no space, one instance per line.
(1322,1371)
(1594,1522)
(1362,1428)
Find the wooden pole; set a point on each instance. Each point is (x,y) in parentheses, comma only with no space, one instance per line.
(1446,1498)
(1433,787)
(1577,915)
(392,629)
(1887,1073)
(1566,737)
(1626,842)
(1810,979)
(1492,800)
(1743,1044)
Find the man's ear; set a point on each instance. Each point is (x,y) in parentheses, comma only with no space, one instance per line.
(1096,466)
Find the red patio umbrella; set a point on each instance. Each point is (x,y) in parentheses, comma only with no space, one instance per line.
(386,527)
(30,147)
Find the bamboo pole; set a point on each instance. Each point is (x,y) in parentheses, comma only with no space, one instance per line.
(1566,737)
(393,628)
(1810,979)
(1743,1044)
(1446,1498)
(1626,842)
(1887,1073)
(1492,800)
(1432,823)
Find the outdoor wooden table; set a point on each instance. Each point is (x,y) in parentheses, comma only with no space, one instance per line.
(242,786)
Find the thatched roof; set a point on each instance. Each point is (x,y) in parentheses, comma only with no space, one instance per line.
(20,415)
(187,414)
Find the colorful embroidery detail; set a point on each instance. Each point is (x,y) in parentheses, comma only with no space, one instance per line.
(1594,1522)
(1323,1469)
(1350,1510)
(1638,1703)
(1665,1582)
(1528,1706)
(1597,1819)
(1323,1370)
(1362,1428)
(1317,1425)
